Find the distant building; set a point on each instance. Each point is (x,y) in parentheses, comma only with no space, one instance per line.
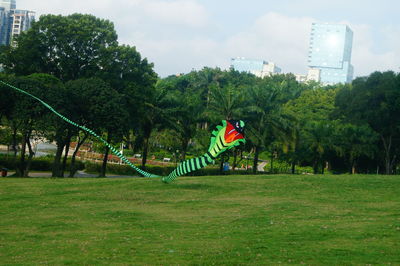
(13,21)
(314,74)
(22,20)
(8,4)
(330,53)
(5,28)
(300,77)
(259,68)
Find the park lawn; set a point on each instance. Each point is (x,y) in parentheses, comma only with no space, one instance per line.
(221,220)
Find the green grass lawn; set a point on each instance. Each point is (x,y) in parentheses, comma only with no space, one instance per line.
(228,220)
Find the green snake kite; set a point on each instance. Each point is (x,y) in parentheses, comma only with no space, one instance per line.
(225,137)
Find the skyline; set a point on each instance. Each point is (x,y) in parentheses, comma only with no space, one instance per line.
(181,35)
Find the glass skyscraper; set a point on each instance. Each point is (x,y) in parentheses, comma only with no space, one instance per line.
(330,52)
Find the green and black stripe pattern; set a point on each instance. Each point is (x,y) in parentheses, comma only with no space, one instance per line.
(189,166)
(227,136)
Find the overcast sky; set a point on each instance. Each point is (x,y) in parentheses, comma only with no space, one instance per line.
(181,35)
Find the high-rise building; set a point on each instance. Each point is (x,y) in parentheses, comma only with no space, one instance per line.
(330,53)
(260,68)
(13,21)
(8,4)
(4,28)
(21,21)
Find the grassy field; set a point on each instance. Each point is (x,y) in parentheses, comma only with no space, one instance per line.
(225,220)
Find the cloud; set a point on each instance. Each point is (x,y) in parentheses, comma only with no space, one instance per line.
(181,35)
(284,40)
(272,37)
(181,56)
(277,38)
(180,12)
(187,13)
(366,59)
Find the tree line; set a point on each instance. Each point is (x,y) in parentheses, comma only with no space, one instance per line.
(76,64)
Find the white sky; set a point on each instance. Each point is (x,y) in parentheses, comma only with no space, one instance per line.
(181,35)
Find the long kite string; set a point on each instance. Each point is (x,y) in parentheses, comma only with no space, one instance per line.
(113,150)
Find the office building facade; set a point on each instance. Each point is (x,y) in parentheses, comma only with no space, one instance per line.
(8,4)
(13,21)
(330,53)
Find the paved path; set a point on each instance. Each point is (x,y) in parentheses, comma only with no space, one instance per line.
(260,166)
(78,174)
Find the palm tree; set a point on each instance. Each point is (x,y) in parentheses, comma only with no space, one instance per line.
(156,113)
(226,102)
(266,121)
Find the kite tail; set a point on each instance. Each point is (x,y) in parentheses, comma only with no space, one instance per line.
(189,166)
(91,132)
(227,136)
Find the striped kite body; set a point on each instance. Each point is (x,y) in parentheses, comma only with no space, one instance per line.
(227,136)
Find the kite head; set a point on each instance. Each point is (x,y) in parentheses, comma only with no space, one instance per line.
(227,136)
(234,131)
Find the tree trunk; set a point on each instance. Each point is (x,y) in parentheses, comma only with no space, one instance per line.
(57,160)
(145,151)
(388,168)
(221,165)
(387,145)
(255,161)
(21,168)
(72,169)
(316,166)
(14,142)
(293,167)
(185,144)
(392,164)
(353,167)
(234,159)
(64,163)
(146,137)
(105,159)
(272,162)
(295,150)
(30,157)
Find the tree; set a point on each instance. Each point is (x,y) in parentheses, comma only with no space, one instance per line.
(312,127)
(266,121)
(160,110)
(68,47)
(353,141)
(26,116)
(227,100)
(375,100)
(186,107)
(100,108)
(123,68)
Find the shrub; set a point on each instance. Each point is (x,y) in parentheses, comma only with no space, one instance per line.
(38,164)
(158,170)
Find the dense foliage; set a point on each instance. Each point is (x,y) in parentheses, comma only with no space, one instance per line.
(76,65)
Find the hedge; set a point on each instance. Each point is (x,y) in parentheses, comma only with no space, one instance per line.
(38,164)
(157,170)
